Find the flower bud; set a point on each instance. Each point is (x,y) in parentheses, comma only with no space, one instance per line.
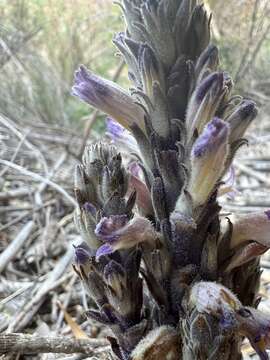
(85,221)
(207,60)
(213,298)
(208,157)
(150,70)
(240,119)
(198,31)
(205,102)
(83,187)
(160,39)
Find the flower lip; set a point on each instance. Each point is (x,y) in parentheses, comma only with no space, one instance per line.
(107,227)
(214,133)
(105,249)
(87,86)
(113,128)
(82,253)
(118,233)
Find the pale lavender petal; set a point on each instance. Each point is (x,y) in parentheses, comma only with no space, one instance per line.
(105,249)
(241,118)
(122,138)
(114,129)
(107,227)
(228,187)
(214,134)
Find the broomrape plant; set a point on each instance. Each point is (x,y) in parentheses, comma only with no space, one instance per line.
(170,276)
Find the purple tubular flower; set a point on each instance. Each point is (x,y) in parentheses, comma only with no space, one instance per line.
(108,97)
(119,234)
(207,60)
(135,169)
(105,249)
(113,268)
(89,87)
(227,321)
(208,157)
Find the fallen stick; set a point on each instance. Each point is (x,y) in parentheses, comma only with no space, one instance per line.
(12,127)
(39,178)
(13,248)
(15,194)
(51,173)
(33,344)
(245,169)
(29,310)
(26,213)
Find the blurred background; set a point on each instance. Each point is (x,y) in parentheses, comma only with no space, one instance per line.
(43,131)
(42,42)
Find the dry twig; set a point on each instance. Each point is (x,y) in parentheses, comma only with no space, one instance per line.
(32,344)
